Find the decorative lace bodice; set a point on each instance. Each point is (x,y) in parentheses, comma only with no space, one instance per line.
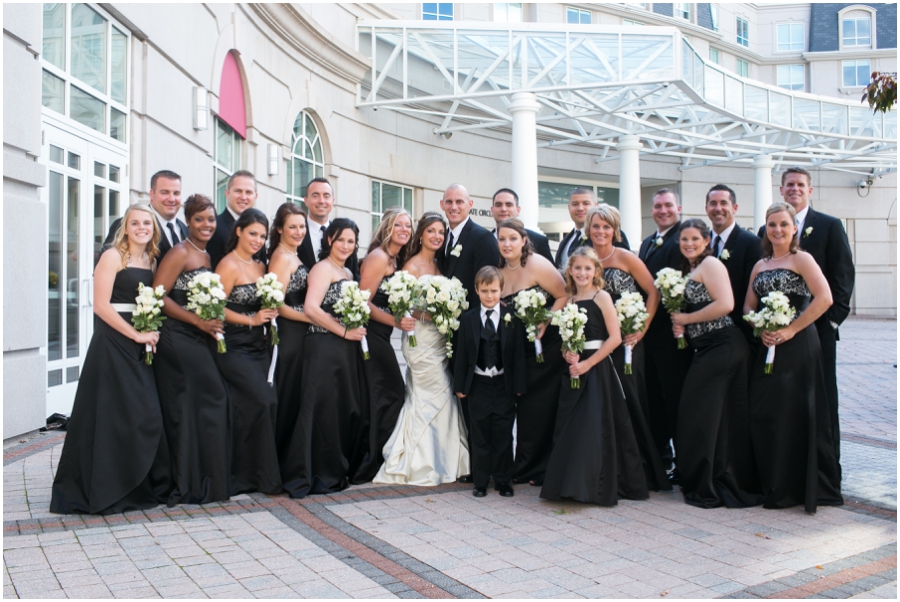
(618,282)
(788,282)
(244,299)
(179,291)
(295,295)
(380,298)
(332,295)
(697,298)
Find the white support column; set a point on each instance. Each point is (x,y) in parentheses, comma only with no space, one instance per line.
(524,108)
(629,148)
(762,188)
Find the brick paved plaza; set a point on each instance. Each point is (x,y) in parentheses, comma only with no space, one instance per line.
(407,542)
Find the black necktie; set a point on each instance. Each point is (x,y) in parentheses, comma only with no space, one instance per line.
(716,242)
(450,243)
(171,228)
(491,332)
(322,230)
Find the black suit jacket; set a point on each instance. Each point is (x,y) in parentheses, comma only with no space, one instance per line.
(309,259)
(479,248)
(512,346)
(539,241)
(743,252)
(216,245)
(559,261)
(827,243)
(657,257)
(164,245)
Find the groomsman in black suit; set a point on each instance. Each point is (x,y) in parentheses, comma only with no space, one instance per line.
(581,201)
(506,206)
(240,194)
(165,201)
(319,201)
(823,237)
(737,248)
(666,365)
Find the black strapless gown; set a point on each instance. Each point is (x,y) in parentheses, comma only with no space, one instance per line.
(713,406)
(194,401)
(536,410)
(326,447)
(596,458)
(115,458)
(386,391)
(254,403)
(288,369)
(635,387)
(789,421)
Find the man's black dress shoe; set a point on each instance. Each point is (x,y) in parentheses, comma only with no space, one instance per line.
(480,492)
(505,490)
(466,478)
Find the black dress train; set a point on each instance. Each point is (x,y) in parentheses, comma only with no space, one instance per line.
(254,403)
(288,368)
(194,401)
(635,388)
(386,391)
(115,458)
(595,456)
(789,421)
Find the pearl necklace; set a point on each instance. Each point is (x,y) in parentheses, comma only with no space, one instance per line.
(195,246)
(336,264)
(250,262)
(782,257)
(608,256)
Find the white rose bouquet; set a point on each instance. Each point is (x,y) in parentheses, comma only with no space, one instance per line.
(531,309)
(207,299)
(147,315)
(776,313)
(353,308)
(632,318)
(271,293)
(671,286)
(445,299)
(403,291)
(571,320)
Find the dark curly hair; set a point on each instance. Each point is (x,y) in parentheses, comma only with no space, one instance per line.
(335,229)
(516,224)
(246,219)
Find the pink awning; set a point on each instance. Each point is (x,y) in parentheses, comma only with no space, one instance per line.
(231,97)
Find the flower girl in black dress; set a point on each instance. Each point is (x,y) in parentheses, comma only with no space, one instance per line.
(115,457)
(192,393)
(595,455)
(245,366)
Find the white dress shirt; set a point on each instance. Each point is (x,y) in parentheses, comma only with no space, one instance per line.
(495,318)
(455,232)
(725,234)
(801,219)
(573,240)
(664,232)
(315,236)
(165,229)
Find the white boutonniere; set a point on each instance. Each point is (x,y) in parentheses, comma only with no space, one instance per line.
(724,255)
(457,250)
(807,232)
(659,241)
(583,238)
(507,318)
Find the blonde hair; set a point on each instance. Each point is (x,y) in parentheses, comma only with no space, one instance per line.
(608,214)
(120,243)
(571,287)
(767,248)
(381,238)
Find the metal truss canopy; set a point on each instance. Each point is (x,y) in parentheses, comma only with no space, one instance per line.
(596,84)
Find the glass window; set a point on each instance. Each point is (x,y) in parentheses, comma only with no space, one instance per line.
(714,16)
(54,47)
(437,11)
(578,16)
(714,55)
(72,287)
(117,124)
(858,32)
(791,77)
(682,10)
(57,155)
(790,37)
(385,196)
(53,92)
(306,161)
(508,12)
(743,68)
(87,110)
(631,23)
(88,46)
(856,73)
(226,159)
(55,276)
(743,31)
(119,56)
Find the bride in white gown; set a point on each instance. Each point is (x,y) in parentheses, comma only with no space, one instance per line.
(429,444)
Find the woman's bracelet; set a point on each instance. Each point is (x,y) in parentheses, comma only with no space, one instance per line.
(345,333)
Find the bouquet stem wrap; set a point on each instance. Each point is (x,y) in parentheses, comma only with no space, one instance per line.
(682,343)
(410,336)
(148,357)
(271,376)
(628,351)
(220,342)
(538,351)
(365,348)
(770,360)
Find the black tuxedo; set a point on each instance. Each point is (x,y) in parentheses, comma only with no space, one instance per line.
(491,401)
(560,262)
(216,245)
(308,257)
(827,243)
(539,241)
(665,365)
(164,245)
(744,251)
(478,249)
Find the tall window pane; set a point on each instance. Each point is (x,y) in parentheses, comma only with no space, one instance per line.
(306,160)
(856,73)
(73,284)
(117,124)
(743,31)
(56,283)
(54,48)
(86,109)
(857,32)
(53,92)
(743,68)
(89,46)
(791,77)
(118,60)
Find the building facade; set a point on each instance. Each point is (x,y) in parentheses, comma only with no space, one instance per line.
(98,97)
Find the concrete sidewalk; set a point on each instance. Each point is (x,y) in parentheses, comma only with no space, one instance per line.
(407,542)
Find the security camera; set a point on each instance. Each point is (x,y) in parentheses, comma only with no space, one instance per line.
(862,184)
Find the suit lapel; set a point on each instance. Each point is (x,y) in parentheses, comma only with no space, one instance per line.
(732,238)
(164,244)
(452,259)
(808,223)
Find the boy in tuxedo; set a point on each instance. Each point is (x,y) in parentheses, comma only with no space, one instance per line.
(489,373)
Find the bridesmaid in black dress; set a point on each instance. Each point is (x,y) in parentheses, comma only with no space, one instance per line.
(623,272)
(327,440)
(192,393)
(245,366)
(389,248)
(286,236)
(715,387)
(115,457)
(789,420)
(535,410)
(595,456)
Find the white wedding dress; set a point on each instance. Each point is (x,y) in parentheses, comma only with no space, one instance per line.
(429,444)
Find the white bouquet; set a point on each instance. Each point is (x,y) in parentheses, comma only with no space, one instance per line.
(147,315)
(353,308)
(445,299)
(632,318)
(207,299)
(403,291)
(671,286)
(271,293)
(571,320)
(531,309)
(775,314)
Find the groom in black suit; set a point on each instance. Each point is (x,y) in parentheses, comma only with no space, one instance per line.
(240,195)
(581,201)
(165,201)
(823,237)
(504,206)
(319,201)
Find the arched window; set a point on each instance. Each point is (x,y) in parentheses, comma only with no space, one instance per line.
(306,160)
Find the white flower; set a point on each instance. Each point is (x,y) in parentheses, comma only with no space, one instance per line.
(507,318)
(724,255)
(457,250)
(659,241)
(807,232)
